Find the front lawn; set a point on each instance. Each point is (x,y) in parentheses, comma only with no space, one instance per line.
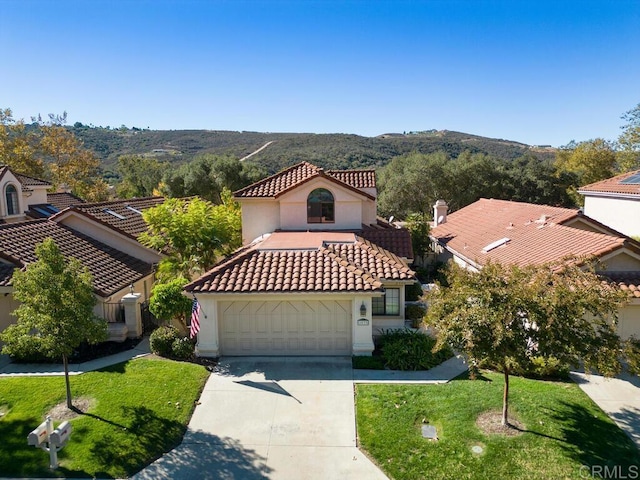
(139,410)
(563,431)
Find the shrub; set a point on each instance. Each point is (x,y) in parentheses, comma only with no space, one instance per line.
(162,338)
(409,350)
(369,363)
(632,354)
(413,292)
(415,313)
(182,348)
(26,349)
(539,367)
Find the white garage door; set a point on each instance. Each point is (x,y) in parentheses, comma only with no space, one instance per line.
(285,327)
(629,321)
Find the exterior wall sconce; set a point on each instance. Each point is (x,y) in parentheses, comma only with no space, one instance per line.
(363,310)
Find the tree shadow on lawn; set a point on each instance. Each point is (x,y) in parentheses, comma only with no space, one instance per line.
(594,441)
(201,455)
(16,457)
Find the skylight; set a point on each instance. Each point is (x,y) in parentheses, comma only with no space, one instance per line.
(117,215)
(496,244)
(134,210)
(632,180)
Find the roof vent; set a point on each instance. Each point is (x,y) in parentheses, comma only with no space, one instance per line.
(496,244)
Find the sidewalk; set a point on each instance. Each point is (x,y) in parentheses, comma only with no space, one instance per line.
(52,369)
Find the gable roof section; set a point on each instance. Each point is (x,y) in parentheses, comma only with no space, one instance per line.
(121,215)
(111,269)
(355,178)
(62,200)
(520,233)
(292,177)
(613,185)
(336,266)
(396,240)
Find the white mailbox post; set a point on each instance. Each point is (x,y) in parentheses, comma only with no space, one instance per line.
(56,439)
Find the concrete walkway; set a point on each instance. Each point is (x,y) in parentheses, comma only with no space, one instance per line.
(618,397)
(52,369)
(272,417)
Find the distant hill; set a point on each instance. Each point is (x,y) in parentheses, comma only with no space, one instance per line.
(326,150)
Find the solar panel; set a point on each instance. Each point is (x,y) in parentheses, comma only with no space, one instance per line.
(632,180)
(117,215)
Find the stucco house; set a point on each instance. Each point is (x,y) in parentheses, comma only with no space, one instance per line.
(615,202)
(524,234)
(310,278)
(102,236)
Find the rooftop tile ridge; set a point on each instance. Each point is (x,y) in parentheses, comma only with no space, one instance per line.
(276,175)
(117,202)
(367,276)
(383,253)
(352,170)
(235,258)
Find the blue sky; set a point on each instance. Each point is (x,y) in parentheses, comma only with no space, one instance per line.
(539,72)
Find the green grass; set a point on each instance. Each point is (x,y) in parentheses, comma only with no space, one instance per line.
(563,430)
(133,421)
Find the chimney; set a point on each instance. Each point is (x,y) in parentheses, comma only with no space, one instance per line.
(440,213)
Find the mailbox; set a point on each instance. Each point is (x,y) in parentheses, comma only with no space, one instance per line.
(39,435)
(60,435)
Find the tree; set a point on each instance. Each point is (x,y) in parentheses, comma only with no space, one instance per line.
(208,175)
(56,310)
(18,146)
(590,161)
(140,175)
(507,315)
(168,301)
(69,162)
(629,141)
(192,233)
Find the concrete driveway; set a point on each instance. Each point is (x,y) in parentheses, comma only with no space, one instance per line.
(272,417)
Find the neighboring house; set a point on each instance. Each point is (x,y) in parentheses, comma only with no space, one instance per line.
(311,278)
(615,202)
(524,234)
(102,236)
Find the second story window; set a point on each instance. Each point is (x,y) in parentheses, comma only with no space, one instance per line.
(11,195)
(320,206)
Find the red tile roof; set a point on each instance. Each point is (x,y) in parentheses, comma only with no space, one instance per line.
(282,182)
(31,181)
(627,281)
(126,220)
(613,185)
(355,178)
(396,240)
(349,265)
(531,234)
(62,200)
(112,270)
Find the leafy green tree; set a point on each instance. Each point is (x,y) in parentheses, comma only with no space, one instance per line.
(56,310)
(508,315)
(140,175)
(208,175)
(629,141)
(192,233)
(418,225)
(18,146)
(168,301)
(590,161)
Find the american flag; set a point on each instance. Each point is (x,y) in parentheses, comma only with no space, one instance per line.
(195,318)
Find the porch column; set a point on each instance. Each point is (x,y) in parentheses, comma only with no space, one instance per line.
(132,314)
(208,342)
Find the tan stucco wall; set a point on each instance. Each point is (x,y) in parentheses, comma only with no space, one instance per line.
(621,262)
(38,196)
(620,214)
(259,217)
(629,321)
(348,208)
(7,305)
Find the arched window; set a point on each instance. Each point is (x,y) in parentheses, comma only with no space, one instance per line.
(320,206)
(11,194)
